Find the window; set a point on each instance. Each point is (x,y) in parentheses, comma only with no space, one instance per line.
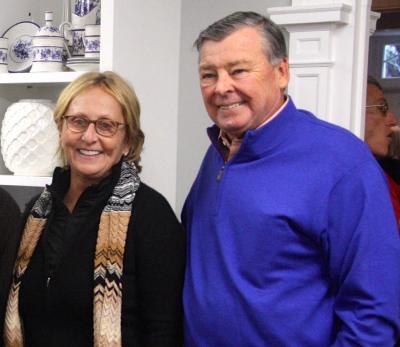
(384,58)
(391,61)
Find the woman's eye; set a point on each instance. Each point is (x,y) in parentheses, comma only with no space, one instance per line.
(105,125)
(79,121)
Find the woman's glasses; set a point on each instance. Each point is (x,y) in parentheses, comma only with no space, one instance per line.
(103,126)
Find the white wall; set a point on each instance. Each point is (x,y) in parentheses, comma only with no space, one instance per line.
(192,117)
(152,35)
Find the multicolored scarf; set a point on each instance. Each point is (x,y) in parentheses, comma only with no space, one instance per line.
(108,261)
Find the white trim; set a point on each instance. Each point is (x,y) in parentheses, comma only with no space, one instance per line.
(328,13)
(26,181)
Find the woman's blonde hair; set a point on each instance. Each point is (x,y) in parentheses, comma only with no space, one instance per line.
(117,87)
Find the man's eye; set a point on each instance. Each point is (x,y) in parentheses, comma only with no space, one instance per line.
(238,71)
(207,76)
(383,108)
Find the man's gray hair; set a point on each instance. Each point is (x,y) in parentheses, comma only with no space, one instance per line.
(372,80)
(273,38)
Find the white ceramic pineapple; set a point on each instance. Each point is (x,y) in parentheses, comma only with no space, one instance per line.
(29,138)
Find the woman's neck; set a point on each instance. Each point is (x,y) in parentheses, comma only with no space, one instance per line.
(75,190)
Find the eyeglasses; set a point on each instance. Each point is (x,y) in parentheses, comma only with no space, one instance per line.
(383,108)
(103,126)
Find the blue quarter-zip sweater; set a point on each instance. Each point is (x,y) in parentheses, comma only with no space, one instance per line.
(292,242)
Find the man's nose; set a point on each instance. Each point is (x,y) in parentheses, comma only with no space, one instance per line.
(391,119)
(224,84)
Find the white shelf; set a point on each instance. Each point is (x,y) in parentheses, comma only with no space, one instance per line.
(39,77)
(27,181)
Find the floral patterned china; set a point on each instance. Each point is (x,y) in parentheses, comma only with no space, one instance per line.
(3,54)
(83,64)
(20,45)
(47,46)
(82,8)
(85,12)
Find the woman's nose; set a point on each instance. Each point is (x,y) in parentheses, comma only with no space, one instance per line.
(90,134)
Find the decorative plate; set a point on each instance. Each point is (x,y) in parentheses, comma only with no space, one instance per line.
(20,45)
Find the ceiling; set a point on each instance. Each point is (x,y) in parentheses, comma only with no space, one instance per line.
(390,13)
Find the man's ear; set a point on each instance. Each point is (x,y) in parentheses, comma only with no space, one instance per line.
(282,73)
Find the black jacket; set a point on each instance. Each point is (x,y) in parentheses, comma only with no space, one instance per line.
(60,314)
(9,236)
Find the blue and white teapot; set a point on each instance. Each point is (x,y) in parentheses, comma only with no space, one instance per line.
(47,46)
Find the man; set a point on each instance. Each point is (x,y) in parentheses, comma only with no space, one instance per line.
(379,121)
(291,239)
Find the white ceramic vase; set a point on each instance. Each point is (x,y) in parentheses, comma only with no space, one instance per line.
(30,138)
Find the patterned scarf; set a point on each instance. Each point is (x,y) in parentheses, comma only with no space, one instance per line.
(108,261)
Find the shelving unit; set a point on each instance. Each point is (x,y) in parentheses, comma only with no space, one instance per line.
(27,181)
(19,81)
(140,40)
(39,85)
(39,77)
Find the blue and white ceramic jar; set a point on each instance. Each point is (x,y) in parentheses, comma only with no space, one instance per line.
(92,41)
(47,47)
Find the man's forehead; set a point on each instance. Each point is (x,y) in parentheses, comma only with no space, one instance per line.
(207,64)
(239,40)
(374,93)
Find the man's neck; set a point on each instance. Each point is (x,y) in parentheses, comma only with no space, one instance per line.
(232,143)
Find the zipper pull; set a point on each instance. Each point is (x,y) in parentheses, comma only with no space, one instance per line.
(220,173)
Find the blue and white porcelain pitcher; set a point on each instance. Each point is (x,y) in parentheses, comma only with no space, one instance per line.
(85,12)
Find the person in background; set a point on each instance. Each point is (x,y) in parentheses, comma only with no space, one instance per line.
(101,256)
(291,237)
(10,222)
(379,135)
(391,163)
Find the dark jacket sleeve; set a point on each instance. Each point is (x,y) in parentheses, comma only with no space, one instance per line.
(9,238)
(159,245)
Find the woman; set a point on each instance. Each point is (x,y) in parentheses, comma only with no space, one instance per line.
(101,259)
(9,221)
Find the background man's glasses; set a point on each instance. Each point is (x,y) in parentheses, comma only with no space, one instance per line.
(383,108)
(103,126)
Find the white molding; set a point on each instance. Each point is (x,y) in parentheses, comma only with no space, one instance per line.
(328,13)
(309,45)
(373,18)
(309,86)
(316,63)
(328,46)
